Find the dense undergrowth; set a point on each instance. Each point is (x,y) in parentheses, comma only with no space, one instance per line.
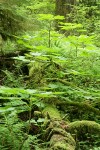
(45,67)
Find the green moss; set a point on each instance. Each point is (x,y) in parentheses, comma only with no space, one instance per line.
(59,142)
(55,133)
(52,111)
(62,146)
(90,126)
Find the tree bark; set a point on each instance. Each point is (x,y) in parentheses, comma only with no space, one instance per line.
(63,8)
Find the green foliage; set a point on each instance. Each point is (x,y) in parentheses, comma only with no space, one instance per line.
(13,18)
(62,73)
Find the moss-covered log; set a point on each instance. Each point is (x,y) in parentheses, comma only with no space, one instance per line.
(84,125)
(61,134)
(55,130)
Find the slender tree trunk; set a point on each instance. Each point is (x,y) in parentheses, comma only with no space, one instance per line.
(63,8)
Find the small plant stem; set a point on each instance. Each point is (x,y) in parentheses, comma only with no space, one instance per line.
(30,106)
(49,40)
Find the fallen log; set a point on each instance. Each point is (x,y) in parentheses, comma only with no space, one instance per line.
(61,134)
(55,130)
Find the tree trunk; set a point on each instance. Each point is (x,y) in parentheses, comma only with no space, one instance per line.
(63,8)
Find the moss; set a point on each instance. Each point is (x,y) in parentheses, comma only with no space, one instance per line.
(55,132)
(60,142)
(52,111)
(62,146)
(79,126)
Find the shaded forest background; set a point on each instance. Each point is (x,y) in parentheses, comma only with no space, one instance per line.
(49,75)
